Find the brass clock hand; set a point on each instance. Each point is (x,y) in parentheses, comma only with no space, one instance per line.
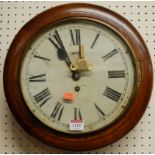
(82,64)
(81,51)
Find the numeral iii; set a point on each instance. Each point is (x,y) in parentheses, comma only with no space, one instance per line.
(116,74)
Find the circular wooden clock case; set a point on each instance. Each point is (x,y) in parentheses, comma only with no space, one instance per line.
(104,24)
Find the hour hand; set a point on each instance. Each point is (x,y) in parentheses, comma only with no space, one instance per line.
(60,52)
(82,64)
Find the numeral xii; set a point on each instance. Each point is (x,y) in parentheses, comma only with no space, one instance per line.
(75,36)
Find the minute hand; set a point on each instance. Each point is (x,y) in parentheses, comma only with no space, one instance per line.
(62,54)
(62,51)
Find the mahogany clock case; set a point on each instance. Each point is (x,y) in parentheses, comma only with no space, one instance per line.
(85,141)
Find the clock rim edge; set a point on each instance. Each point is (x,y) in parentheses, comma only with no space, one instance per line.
(68,10)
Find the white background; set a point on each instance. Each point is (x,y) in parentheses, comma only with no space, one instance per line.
(13,139)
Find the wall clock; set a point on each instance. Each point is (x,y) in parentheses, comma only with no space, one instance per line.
(78,76)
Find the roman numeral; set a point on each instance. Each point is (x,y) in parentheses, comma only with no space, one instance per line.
(56,41)
(42,97)
(112,94)
(57,112)
(42,58)
(116,74)
(37,78)
(110,54)
(75,36)
(99,110)
(97,36)
(77,114)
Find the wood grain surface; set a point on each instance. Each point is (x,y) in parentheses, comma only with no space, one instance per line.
(143,86)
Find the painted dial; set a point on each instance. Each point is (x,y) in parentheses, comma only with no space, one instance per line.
(78,70)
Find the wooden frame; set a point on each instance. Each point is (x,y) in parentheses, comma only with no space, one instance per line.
(88,141)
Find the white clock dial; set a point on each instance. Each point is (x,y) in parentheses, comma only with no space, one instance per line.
(97,92)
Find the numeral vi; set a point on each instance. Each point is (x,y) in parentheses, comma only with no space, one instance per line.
(77,114)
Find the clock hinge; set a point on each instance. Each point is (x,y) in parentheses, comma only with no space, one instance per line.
(139,71)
